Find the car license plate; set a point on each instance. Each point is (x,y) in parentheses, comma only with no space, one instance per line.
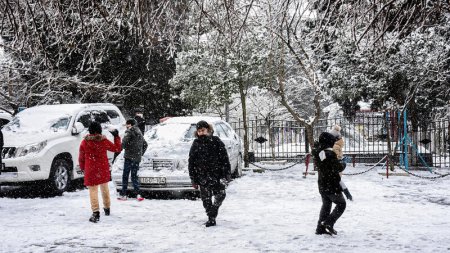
(152,180)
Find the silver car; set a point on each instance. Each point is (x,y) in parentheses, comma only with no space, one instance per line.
(164,165)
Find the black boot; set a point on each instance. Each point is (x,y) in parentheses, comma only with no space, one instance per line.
(95,217)
(211,222)
(320,230)
(329,228)
(107,211)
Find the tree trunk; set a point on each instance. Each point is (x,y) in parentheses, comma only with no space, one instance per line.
(310,137)
(271,138)
(244,121)
(227,112)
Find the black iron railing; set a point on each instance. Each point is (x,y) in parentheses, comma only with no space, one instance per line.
(366,138)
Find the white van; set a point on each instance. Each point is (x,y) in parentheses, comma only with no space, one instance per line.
(42,143)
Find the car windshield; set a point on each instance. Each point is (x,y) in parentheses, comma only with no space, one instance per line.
(26,122)
(171,132)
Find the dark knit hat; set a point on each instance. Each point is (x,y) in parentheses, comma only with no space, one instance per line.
(202,124)
(326,140)
(95,128)
(131,122)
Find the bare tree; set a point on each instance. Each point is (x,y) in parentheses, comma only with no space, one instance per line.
(224,25)
(291,63)
(383,22)
(60,49)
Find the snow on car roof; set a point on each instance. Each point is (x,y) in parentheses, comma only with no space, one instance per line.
(63,108)
(40,118)
(191,119)
(174,130)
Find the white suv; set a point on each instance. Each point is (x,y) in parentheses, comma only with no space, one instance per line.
(42,143)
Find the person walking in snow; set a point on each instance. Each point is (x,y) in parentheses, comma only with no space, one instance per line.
(338,149)
(140,121)
(94,163)
(328,180)
(134,145)
(209,169)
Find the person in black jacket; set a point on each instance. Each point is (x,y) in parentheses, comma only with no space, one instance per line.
(139,117)
(329,188)
(134,145)
(209,167)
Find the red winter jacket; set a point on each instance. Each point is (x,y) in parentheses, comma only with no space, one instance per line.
(93,159)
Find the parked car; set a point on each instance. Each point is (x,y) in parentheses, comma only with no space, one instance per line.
(164,165)
(5,118)
(42,143)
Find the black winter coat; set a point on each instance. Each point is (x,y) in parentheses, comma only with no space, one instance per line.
(140,123)
(134,144)
(208,162)
(329,169)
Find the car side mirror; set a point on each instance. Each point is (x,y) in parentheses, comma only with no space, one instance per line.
(77,128)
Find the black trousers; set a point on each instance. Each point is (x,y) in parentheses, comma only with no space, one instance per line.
(328,217)
(207,194)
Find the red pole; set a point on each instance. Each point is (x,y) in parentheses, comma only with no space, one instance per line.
(387,167)
(354,160)
(308,157)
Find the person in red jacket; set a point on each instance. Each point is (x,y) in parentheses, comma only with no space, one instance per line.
(94,163)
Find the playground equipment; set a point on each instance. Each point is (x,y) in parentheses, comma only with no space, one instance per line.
(404,141)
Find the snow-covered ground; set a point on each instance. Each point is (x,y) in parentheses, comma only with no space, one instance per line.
(263,212)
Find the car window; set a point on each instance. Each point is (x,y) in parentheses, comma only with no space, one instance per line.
(3,122)
(113,116)
(190,133)
(100,116)
(218,130)
(85,119)
(169,132)
(227,129)
(62,124)
(151,133)
(14,123)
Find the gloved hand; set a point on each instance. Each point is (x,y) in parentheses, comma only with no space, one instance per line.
(195,186)
(224,182)
(347,194)
(114,133)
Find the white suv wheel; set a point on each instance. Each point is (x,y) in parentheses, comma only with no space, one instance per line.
(60,177)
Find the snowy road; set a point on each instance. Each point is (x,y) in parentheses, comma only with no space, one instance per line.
(269,212)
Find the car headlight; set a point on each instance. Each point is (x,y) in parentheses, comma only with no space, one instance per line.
(32,148)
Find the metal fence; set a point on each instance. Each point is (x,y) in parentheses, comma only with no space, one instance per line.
(365,135)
